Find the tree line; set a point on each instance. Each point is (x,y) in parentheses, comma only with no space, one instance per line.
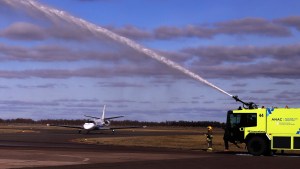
(117,123)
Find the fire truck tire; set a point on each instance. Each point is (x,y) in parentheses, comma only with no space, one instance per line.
(257,146)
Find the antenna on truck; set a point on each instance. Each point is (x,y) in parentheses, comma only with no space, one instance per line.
(246,105)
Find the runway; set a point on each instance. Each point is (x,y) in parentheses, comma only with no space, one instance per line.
(52,148)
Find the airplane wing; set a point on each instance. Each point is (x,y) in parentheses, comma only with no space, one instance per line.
(109,118)
(66,126)
(92,117)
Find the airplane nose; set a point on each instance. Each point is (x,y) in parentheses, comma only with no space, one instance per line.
(88,126)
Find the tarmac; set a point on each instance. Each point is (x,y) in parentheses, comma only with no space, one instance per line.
(53,148)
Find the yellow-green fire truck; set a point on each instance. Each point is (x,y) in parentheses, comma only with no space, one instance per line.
(264,130)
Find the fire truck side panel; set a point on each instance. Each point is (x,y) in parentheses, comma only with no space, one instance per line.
(283,126)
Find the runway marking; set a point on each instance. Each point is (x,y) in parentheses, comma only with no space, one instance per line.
(13,163)
(243,154)
(86,159)
(36,158)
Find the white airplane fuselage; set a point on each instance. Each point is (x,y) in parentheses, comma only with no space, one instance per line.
(96,124)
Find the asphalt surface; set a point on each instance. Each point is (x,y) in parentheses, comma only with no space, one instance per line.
(52,148)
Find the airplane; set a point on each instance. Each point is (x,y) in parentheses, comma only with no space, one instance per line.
(97,123)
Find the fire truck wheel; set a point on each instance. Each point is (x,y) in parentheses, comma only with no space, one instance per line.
(257,146)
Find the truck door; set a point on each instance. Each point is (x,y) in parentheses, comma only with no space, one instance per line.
(233,127)
(236,121)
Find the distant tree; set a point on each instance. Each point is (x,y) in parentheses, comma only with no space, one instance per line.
(120,123)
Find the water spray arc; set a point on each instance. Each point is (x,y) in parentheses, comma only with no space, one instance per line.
(51,12)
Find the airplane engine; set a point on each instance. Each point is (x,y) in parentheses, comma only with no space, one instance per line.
(106,122)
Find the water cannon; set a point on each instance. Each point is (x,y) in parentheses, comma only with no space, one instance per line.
(246,105)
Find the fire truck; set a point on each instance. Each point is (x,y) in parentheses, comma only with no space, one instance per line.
(263,130)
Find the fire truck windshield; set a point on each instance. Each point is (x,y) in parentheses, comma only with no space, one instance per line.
(243,120)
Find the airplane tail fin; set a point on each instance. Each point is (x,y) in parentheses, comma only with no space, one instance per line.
(103,113)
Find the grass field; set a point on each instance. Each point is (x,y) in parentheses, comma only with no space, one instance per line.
(195,140)
(16,129)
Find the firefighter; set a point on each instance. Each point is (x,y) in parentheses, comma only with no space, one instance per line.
(226,139)
(209,137)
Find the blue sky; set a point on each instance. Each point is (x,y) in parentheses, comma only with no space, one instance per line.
(54,69)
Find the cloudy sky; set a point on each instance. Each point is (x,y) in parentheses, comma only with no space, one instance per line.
(51,68)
